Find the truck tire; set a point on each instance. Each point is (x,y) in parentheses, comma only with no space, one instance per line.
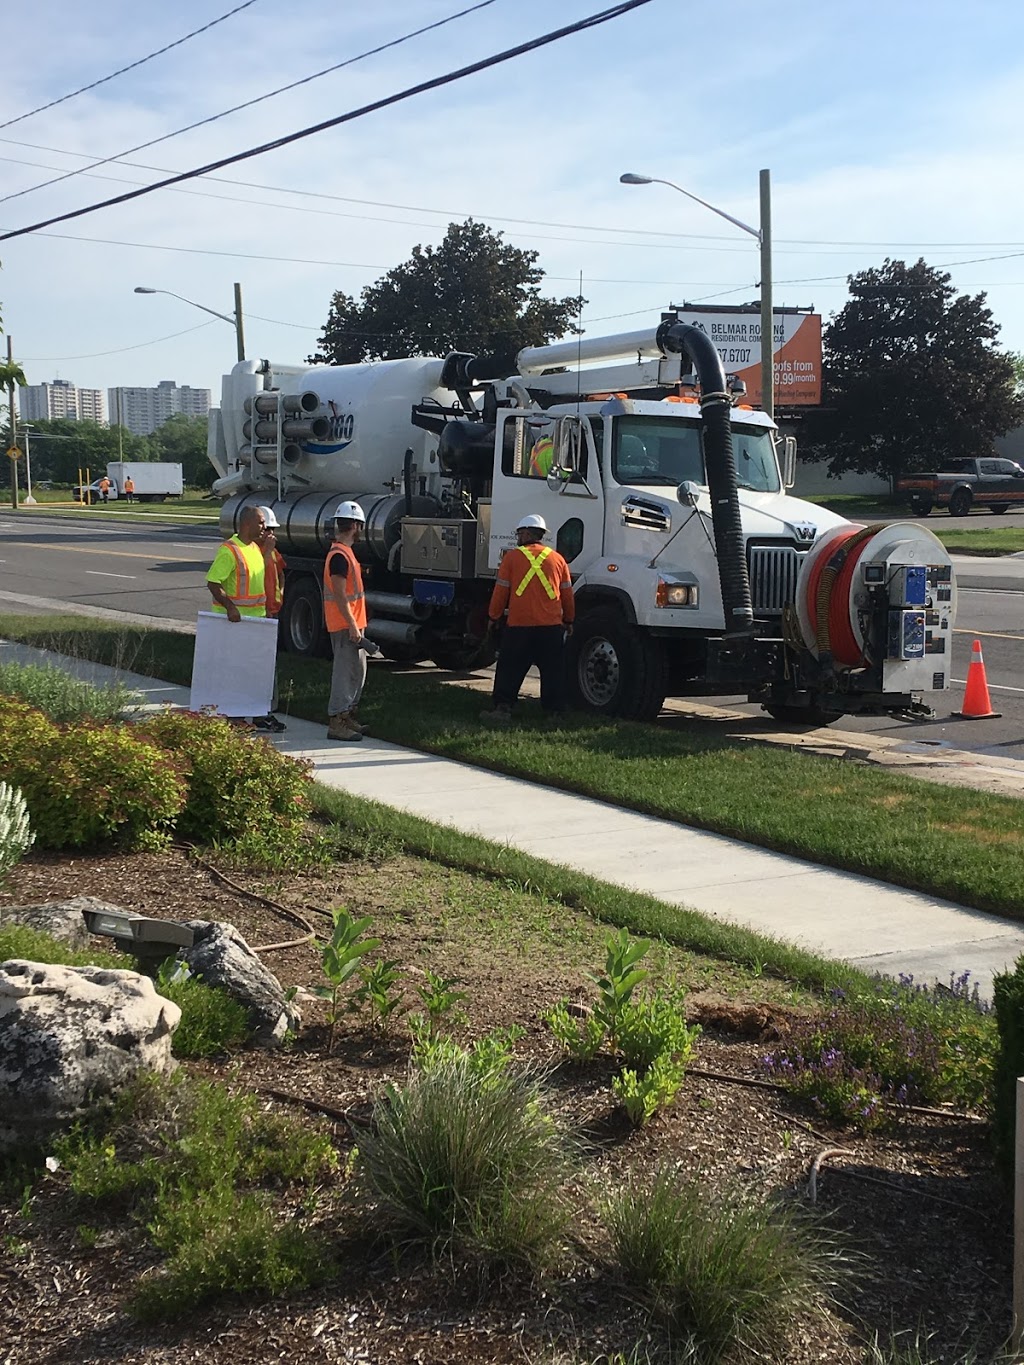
(998,508)
(960,502)
(614,668)
(921,506)
(301,624)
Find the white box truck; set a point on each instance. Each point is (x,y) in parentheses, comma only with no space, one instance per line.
(153,481)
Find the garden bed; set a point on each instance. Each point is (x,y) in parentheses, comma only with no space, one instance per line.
(918,1201)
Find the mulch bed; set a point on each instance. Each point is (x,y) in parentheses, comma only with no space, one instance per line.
(918,1202)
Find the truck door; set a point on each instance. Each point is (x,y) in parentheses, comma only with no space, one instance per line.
(547,465)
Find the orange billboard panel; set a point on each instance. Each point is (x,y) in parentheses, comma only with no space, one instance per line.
(796,351)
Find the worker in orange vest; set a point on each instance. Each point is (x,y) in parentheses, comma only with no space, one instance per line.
(535,587)
(273,587)
(345,619)
(104,488)
(129,489)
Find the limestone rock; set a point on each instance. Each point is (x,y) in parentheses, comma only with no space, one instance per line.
(63,920)
(70,1039)
(221,957)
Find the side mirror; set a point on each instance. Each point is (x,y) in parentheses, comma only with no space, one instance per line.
(688,493)
(788,461)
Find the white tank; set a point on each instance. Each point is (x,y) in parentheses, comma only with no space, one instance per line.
(368,407)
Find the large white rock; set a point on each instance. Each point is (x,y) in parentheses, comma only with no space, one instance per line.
(70,1039)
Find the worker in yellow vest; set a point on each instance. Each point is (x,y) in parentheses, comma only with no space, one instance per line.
(345,619)
(236,576)
(535,587)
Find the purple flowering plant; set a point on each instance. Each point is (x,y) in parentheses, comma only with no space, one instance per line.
(892,1042)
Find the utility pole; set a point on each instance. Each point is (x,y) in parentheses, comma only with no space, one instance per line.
(767,317)
(239,333)
(14,423)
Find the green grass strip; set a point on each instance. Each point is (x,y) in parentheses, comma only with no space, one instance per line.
(962,845)
(1002,540)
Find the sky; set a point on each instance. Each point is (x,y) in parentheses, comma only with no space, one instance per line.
(890,129)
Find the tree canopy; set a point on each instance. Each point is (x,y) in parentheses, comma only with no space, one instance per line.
(88,445)
(474,292)
(912,376)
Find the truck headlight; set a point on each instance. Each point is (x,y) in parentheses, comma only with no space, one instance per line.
(674,594)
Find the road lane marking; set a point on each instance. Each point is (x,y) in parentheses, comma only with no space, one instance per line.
(114,554)
(995,687)
(987,634)
(98,573)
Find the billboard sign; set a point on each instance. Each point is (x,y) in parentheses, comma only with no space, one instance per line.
(796,348)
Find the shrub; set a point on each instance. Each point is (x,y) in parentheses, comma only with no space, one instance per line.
(643,1093)
(200,1166)
(16,838)
(63,697)
(464,1160)
(24,733)
(238,788)
(1008,998)
(897,1042)
(654,1026)
(727,1274)
(211,1021)
(87,785)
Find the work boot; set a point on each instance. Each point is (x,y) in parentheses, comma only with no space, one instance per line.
(500,715)
(338,727)
(357,724)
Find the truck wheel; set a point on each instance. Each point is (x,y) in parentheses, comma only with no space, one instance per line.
(301,625)
(998,508)
(921,506)
(960,503)
(615,669)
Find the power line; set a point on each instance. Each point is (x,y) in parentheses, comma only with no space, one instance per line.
(437,82)
(130,67)
(92,355)
(248,104)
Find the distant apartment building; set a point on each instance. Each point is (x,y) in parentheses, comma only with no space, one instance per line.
(60,398)
(143,410)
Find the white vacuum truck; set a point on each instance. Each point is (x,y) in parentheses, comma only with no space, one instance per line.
(695,572)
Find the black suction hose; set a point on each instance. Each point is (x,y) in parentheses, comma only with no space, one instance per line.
(716,409)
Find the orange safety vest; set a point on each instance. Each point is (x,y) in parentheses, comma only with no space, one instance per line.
(273,581)
(104,485)
(333,619)
(243,596)
(534,583)
(129,486)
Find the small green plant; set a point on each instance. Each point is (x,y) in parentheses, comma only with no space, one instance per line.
(440,997)
(651,1027)
(377,991)
(620,978)
(726,1273)
(489,1056)
(87,1236)
(340,957)
(18,940)
(16,837)
(581,1035)
(63,697)
(211,1021)
(643,1093)
(464,1159)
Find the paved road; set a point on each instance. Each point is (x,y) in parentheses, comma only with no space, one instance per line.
(160,571)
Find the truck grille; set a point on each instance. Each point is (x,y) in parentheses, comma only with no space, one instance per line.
(774,570)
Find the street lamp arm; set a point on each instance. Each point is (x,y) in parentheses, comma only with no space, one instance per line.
(140,289)
(736,222)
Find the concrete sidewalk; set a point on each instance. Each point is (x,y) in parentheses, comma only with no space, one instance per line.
(869,923)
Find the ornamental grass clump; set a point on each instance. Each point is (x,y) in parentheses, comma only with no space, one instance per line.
(896,1043)
(464,1161)
(726,1273)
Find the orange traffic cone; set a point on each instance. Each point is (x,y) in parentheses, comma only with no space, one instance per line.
(977,705)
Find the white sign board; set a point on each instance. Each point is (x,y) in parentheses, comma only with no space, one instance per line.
(796,348)
(233,668)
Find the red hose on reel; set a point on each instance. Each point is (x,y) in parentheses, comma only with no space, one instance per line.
(827,595)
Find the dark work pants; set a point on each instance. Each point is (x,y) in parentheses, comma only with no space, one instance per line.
(521,648)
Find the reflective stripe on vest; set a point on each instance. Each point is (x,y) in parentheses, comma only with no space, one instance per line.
(535,563)
(242,597)
(333,618)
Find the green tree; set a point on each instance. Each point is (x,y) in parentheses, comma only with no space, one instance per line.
(474,292)
(91,446)
(912,376)
(182,440)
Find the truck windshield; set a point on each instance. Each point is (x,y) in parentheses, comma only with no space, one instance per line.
(667,450)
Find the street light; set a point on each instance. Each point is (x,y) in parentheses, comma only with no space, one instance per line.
(235,319)
(763,234)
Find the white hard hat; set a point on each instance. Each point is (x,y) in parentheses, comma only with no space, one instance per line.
(349,511)
(533,522)
(269,520)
